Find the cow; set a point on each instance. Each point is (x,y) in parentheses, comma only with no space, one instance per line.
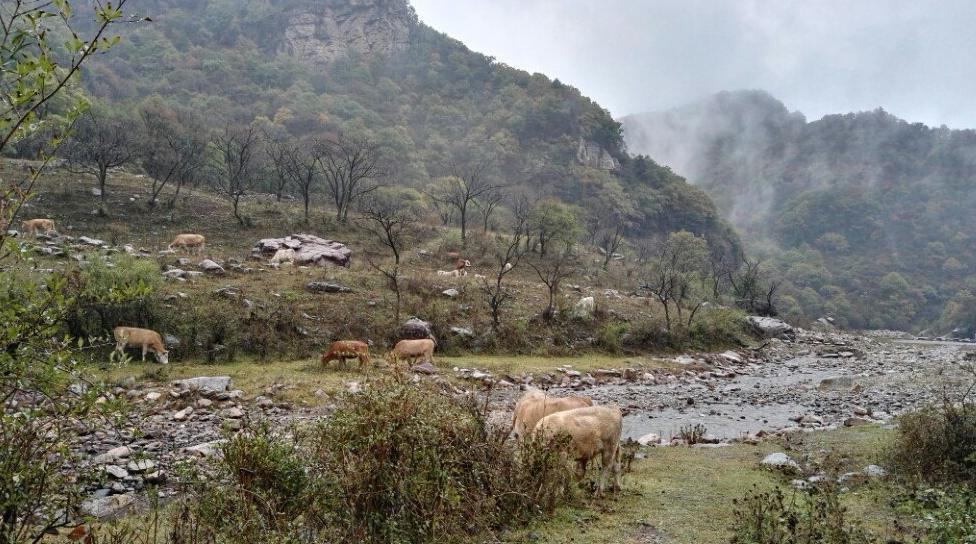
(146,339)
(31,226)
(451,273)
(412,350)
(187,242)
(461,264)
(592,431)
(283,256)
(536,404)
(452,255)
(340,350)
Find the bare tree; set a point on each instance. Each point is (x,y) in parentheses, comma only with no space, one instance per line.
(101,142)
(279,150)
(391,223)
(610,239)
(234,165)
(508,253)
(487,205)
(294,163)
(753,289)
(460,190)
(350,167)
(554,267)
(173,149)
(672,274)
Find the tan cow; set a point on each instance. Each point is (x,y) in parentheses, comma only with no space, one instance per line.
(536,404)
(593,430)
(31,226)
(412,350)
(452,273)
(188,242)
(146,339)
(341,350)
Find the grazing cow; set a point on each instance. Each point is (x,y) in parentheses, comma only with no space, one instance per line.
(186,242)
(341,350)
(31,226)
(593,430)
(283,256)
(412,350)
(535,404)
(146,339)
(451,273)
(461,264)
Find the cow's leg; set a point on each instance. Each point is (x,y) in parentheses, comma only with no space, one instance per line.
(120,345)
(144,349)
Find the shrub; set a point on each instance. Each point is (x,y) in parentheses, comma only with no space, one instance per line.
(937,444)
(807,517)
(948,517)
(106,295)
(399,462)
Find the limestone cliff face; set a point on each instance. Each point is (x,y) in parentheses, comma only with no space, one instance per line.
(333,28)
(591,154)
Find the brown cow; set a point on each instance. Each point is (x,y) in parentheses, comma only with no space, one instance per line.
(535,404)
(146,339)
(186,242)
(462,264)
(593,430)
(340,350)
(31,226)
(412,349)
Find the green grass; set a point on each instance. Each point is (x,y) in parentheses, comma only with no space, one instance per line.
(684,495)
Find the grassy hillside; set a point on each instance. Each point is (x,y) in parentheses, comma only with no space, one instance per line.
(371,69)
(866,215)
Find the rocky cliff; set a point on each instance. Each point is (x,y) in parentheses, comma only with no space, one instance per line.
(328,30)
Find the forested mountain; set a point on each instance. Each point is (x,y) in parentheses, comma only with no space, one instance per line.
(869,217)
(369,68)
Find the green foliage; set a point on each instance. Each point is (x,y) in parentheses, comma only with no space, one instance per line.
(108,294)
(399,462)
(937,444)
(947,516)
(805,517)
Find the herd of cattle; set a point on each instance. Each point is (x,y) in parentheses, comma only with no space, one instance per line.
(592,431)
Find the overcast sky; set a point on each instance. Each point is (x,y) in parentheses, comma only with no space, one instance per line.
(915,58)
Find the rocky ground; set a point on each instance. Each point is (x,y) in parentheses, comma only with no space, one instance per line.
(814,381)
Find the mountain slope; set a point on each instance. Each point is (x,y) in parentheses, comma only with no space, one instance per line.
(869,216)
(369,67)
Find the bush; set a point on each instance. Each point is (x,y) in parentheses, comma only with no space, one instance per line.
(399,462)
(106,295)
(947,517)
(937,444)
(807,517)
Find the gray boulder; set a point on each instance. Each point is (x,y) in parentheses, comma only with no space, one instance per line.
(780,461)
(309,250)
(584,308)
(205,384)
(770,327)
(416,328)
(451,293)
(210,267)
(325,287)
(106,507)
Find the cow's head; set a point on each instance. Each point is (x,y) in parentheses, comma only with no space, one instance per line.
(163,357)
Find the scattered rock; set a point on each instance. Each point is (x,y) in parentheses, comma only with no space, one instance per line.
(874,471)
(205,450)
(309,250)
(325,287)
(451,293)
(856,422)
(780,461)
(113,454)
(836,383)
(425,368)
(141,465)
(770,327)
(463,332)
(210,267)
(105,507)
(183,414)
(117,472)
(649,439)
(233,413)
(584,308)
(204,384)
(416,328)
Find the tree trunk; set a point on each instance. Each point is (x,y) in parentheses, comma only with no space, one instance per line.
(464,225)
(102,175)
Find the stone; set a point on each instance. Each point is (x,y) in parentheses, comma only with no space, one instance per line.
(105,507)
(205,384)
(584,308)
(326,287)
(415,328)
(116,472)
(153,396)
(425,368)
(174,273)
(183,414)
(649,439)
(591,154)
(309,250)
(770,327)
(874,471)
(233,424)
(451,293)
(204,450)
(836,383)
(91,241)
(264,402)
(731,356)
(153,477)
(141,465)
(204,403)
(113,454)
(463,332)
(780,461)
(210,267)
(233,413)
